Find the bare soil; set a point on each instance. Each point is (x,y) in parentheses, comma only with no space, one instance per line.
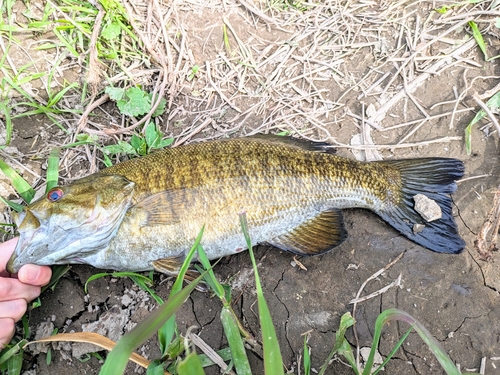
(312,75)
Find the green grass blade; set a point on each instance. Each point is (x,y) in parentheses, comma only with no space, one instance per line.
(167,332)
(22,187)
(138,276)
(57,272)
(7,353)
(434,346)
(63,40)
(15,206)
(393,351)
(52,169)
(232,333)
(8,122)
(273,363)
(118,357)
(346,351)
(493,104)
(341,345)
(226,40)
(307,357)
(479,38)
(144,283)
(15,364)
(211,280)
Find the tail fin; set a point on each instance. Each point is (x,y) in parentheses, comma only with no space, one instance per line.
(435,178)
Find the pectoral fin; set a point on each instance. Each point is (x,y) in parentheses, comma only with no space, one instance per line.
(163,208)
(315,236)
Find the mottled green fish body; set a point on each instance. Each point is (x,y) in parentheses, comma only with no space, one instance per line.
(145,213)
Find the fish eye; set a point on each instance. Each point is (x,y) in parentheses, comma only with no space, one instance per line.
(55,194)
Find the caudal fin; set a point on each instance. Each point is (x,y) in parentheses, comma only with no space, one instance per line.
(434,178)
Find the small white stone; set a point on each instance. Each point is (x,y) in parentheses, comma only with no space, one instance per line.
(427,208)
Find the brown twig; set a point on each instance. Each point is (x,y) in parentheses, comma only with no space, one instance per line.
(491,226)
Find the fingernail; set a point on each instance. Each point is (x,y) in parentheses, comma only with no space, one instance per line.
(31,274)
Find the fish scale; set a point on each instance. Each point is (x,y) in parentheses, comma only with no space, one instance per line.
(292,192)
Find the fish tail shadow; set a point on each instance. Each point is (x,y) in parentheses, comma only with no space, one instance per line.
(434,178)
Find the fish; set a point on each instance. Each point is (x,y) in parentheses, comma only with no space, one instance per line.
(145,213)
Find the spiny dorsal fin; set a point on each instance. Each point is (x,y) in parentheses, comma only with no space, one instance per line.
(295,142)
(315,236)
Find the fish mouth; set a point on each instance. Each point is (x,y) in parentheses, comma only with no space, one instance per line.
(35,245)
(21,255)
(27,233)
(26,253)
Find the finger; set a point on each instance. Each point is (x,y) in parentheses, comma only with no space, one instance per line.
(11,289)
(7,329)
(34,275)
(13,309)
(6,250)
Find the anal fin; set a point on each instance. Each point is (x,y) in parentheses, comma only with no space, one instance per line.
(171,266)
(315,236)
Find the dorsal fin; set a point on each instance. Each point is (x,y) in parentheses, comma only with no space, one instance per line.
(295,142)
(315,236)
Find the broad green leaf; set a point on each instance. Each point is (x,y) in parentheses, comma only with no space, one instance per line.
(22,187)
(15,364)
(135,103)
(151,134)
(111,31)
(191,365)
(346,351)
(120,147)
(155,368)
(160,110)
(165,142)
(9,352)
(136,141)
(115,93)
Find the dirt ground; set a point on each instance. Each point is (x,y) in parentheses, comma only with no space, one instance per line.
(317,72)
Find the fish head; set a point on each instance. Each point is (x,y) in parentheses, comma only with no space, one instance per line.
(71,222)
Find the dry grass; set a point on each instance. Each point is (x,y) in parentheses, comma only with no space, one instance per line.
(327,71)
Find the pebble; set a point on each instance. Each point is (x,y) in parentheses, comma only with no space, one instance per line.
(427,208)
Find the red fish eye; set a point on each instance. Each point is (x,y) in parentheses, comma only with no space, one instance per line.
(55,194)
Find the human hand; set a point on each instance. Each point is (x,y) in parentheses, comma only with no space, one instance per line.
(17,290)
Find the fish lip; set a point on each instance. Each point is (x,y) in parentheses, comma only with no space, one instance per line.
(20,255)
(18,217)
(15,262)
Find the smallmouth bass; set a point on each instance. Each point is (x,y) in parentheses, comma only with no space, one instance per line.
(145,213)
